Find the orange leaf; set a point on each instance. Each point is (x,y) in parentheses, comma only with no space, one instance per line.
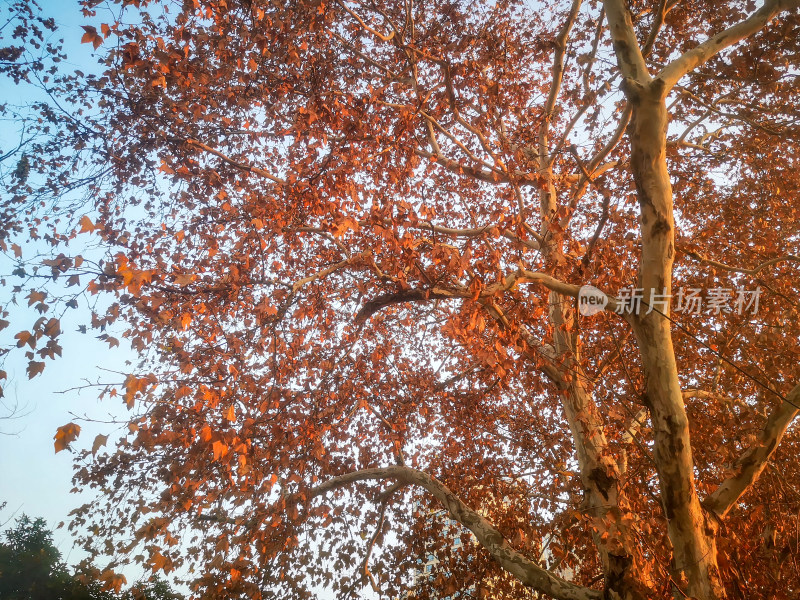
(184,279)
(25,337)
(220,449)
(230,414)
(91,36)
(159,561)
(112,581)
(86,225)
(65,435)
(52,328)
(35,297)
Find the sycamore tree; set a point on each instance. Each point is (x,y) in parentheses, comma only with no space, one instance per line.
(349,239)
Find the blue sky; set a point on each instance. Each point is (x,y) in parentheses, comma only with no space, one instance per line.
(33,479)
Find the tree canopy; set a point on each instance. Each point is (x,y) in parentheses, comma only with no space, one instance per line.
(349,240)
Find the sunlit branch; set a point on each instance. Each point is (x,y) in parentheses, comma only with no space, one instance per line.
(626,46)
(595,169)
(480,231)
(490,538)
(327,271)
(749,466)
(557,72)
(372,30)
(691,59)
(542,355)
(658,21)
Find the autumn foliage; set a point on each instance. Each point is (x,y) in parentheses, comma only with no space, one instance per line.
(346,239)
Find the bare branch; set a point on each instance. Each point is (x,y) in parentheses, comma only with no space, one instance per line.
(327,271)
(565,289)
(385,498)
(476,173)
(658,21)
(460,291)
(555,87)
(479,231)
(540,353)
(382,36)
(404,296)
(595,169)
(613,356)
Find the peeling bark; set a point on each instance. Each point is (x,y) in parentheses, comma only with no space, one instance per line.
(692,534)
(600,474)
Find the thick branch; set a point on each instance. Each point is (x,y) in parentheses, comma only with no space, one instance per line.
(553,284)
(750,465)
(629,55)
(459,291)
(698,55)
(403,297)
(492,540)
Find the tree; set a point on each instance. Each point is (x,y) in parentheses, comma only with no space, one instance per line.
(349,241)
(30,565)
(31,568)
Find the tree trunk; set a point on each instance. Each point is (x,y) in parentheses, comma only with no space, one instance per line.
(600,474)
(691,531)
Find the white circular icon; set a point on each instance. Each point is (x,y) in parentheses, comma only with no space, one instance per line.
(591,300)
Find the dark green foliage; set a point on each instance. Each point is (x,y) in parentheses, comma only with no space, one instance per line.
(31,568)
